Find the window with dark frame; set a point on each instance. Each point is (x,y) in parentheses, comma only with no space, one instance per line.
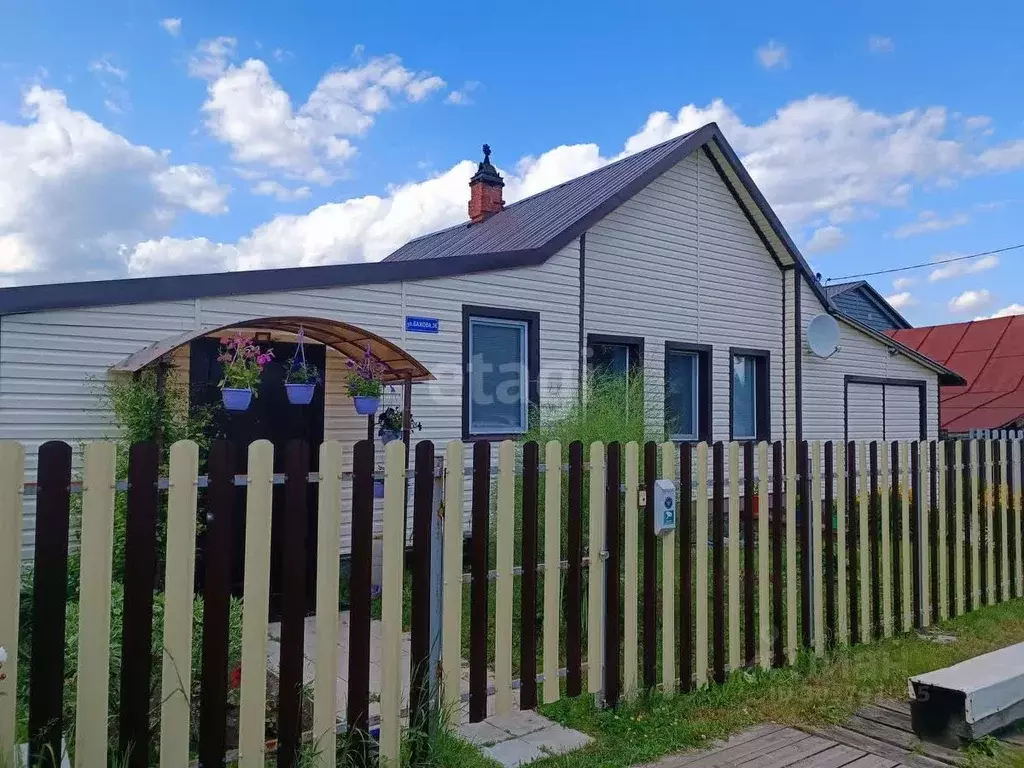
(500,371)
(687,392)
(620,356)
(749,409)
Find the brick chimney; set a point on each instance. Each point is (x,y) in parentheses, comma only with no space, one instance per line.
(485,190)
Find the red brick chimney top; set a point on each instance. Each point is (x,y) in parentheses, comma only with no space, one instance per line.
(485,190)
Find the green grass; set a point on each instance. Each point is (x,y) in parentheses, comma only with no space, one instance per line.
(811,693)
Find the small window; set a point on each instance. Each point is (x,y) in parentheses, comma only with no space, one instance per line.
(616,358)
(749,409)
(499,378)
(682,390)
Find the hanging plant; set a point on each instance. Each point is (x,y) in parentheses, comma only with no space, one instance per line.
(301,378)
(243,362)
(366,383)
(391,422)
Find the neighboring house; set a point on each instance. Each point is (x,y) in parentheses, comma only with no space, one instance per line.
(670,257)
(859,300)
(989,354)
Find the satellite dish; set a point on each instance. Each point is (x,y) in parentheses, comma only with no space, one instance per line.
(823,335)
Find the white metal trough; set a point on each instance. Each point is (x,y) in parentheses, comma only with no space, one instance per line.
(970,699)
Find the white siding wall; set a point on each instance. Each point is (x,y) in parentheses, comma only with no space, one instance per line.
(680,262)
(902,413)
(865,412)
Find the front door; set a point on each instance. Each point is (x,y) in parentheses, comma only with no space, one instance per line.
(269,417)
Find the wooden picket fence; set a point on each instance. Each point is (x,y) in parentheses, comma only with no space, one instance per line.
(779,549)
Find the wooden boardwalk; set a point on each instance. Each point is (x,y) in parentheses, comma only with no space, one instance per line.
(878,736)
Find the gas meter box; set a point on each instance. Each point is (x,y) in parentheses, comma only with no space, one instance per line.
(664,507)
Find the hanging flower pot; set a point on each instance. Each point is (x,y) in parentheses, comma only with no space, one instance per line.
(366,405)
(236,399)
(378,489)
(365,383)
(391,422)
(243,362)
(301,378)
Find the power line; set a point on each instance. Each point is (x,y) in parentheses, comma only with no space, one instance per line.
(924,264)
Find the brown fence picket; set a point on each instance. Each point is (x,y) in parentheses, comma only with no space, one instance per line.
(360,576)
(685,528)
(49,601)
(777,534)
(528,612)
(950,513)
(419,643)
(613,587)
(852,540)
(830,547)
(749,564)
(139,582)
(970,525)
(875,522)
(573,598)
(933,528)
(479,611)
(896,526)
(718,561)
(650,644)
(804,556)
(293,612)
(916,509)
(217,558)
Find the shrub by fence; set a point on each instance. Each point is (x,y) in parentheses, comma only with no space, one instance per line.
(778,549)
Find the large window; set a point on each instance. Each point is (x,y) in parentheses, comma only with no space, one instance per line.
(499,382)
(687,392)
(750,417)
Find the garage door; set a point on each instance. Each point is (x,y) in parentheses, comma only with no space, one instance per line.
(864,412)
(902,413)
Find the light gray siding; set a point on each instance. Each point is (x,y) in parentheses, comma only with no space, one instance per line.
(680,262)
(902,413)
(864,404)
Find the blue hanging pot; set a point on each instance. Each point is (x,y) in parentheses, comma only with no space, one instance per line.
(378,489)
(365,405)
(300,394)
(387,435)
(236,399)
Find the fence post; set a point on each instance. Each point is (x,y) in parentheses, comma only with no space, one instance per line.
(393,578)
(553,567)
(791,546)
(763,558)
(630,554)
(451,652)
(420,703)
(437,574)
(528,609)
(815,513)
(504,534)
(886,525)
(613,591)
(668,581)
(735,586)
(700,640)
(12,476)
(595,575)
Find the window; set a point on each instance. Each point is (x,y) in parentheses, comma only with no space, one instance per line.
(687,391)
(750,417)
(617,357)
(499,381)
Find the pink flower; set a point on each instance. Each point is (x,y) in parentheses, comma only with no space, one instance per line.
(225,357)
(225,340)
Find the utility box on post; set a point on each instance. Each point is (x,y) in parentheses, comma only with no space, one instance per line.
(664,507)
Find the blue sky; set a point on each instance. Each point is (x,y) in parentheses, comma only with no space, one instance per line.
(150,138)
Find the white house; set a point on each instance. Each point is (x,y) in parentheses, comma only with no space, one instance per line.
(670,257)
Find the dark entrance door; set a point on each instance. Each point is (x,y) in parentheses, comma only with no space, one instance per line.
(269,417)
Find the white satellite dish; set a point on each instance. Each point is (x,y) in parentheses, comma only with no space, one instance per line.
(823,335)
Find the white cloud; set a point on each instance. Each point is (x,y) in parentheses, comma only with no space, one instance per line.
(826,238)
(1012,309)
(929,221)
(901,300)
(1005,157)
(279,191)
(249,111)
(965,267)
(902,283)
(462,97)
(111,79)
(978,122)
(103,66)
(970,300)
(171,26)
(881,44)
(773,54)
(73,194)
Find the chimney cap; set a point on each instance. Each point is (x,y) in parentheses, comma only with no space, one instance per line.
(487,173)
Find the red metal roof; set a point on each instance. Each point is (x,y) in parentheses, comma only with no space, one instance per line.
(990,355)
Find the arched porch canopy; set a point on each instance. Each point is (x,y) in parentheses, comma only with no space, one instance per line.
(350,340)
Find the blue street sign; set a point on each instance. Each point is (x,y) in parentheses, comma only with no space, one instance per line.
(422,324)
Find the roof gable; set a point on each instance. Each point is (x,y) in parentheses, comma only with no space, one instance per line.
(859,299)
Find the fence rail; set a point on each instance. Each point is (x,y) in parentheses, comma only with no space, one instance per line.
(798,546)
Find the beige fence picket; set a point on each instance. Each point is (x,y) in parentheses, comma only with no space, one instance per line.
(883,490)
(1018,513)
(451,648)
(325,685)
(392,578)
(553,566)
(864,545)
(595,574)
(256,590)
(97,537)
(630,601)
(989,542)
(975,543)
(1004,522)
(905,561)
(842,603)
(12,473)
(176,675)
(958,552)
(924,539)
(504,535)
(669,452)
(700,582)
(791,574)
(817,542)
(763,582)
(941,533)
(735,583)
